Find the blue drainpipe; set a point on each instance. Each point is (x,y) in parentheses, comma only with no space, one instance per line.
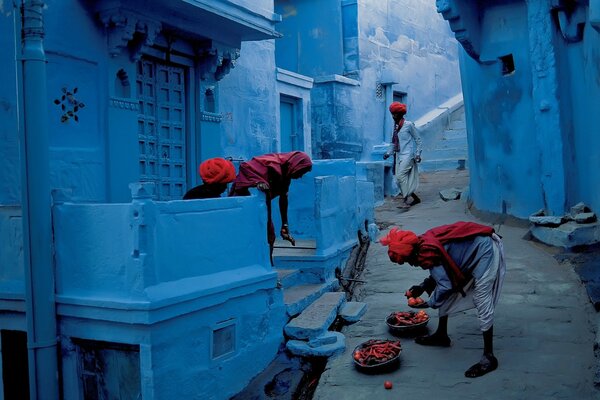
(36,206)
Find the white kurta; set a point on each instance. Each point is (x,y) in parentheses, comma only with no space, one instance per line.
(407,170)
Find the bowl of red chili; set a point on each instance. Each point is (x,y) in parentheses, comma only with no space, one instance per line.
(407,321)
(377,355)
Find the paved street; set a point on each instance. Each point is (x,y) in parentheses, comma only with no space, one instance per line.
(544,327)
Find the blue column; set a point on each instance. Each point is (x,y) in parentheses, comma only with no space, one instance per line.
(36,204)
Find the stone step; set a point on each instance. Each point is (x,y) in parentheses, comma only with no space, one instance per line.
(297,298)
(458,124)
(352,311)
(458,135)
(302,248)
(317,317)
(445,154)
(288,277)
(300,244)
(328,344)
(442,165)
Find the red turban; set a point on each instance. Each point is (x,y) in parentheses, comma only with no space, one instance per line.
(217,170)
(397,107)
(400,244)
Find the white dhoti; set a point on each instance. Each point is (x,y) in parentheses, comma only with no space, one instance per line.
(483,293)
(407,174)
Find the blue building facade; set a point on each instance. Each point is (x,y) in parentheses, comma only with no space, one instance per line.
(111,282)
(531,90)
(362,55)
(148,295)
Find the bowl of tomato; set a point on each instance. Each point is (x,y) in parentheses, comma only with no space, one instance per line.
(377,355)
(401,322)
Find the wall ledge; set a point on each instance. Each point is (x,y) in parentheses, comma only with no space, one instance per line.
(337,79)
(170,299)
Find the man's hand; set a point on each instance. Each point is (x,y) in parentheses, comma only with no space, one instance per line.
(418,159)
(386,156)
(414,291)
(285,235)
(263,187)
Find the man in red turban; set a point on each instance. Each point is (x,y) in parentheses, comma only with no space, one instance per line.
(216,173)
(273,174)
(466,268)
(406,149)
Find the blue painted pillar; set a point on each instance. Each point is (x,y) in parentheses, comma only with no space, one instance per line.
(36,204)
(546,105)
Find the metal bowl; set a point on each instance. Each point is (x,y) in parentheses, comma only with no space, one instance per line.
(386,366)
(405,329)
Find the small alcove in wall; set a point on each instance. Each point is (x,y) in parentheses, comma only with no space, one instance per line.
(508,64)
(122,84)
(209,100)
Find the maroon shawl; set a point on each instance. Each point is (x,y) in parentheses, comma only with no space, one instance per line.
(276,170)
(432,251)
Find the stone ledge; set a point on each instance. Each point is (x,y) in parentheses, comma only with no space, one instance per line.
(567,235)
(330,349)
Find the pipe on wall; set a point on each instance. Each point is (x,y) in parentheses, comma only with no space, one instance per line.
(594,14)
(36,205)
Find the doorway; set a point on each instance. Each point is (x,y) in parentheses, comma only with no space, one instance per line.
(162,127)
(15,374)
(290,125)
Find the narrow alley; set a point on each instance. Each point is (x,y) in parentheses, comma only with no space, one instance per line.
(545,324)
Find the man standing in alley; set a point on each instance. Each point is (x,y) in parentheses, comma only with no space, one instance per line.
(466,268)
(406,148)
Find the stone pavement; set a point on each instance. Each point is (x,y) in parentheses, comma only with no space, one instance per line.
(545,326)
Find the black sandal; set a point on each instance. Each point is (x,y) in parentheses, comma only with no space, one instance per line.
(434,340)
(485,365)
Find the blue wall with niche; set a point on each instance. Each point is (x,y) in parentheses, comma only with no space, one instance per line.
(529,81)
(187,287)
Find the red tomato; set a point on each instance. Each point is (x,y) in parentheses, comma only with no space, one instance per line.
(387,384)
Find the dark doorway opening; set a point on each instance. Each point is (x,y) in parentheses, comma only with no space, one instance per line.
(15,375)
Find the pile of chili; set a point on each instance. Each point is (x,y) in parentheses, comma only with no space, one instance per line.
(374,352)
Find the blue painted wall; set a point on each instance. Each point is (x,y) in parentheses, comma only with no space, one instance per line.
(372,48)
(10,169)
(249,103)
(532,143)
(164,276)
(118,268)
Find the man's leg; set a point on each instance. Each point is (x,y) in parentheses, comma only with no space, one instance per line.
(488,362)
(416,199)
(439,337)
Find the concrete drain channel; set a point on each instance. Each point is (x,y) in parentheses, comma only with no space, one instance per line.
(290,377)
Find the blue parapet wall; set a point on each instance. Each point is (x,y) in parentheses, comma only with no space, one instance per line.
(122,249)
(166,276)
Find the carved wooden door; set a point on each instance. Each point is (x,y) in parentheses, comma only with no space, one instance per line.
(161,127)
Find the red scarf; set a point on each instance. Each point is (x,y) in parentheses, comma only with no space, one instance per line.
(431,251)
(395,138)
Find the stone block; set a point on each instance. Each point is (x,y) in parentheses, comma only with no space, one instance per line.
(316,318)
(567,235)
(450,194)
(352,311)
(302,348)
